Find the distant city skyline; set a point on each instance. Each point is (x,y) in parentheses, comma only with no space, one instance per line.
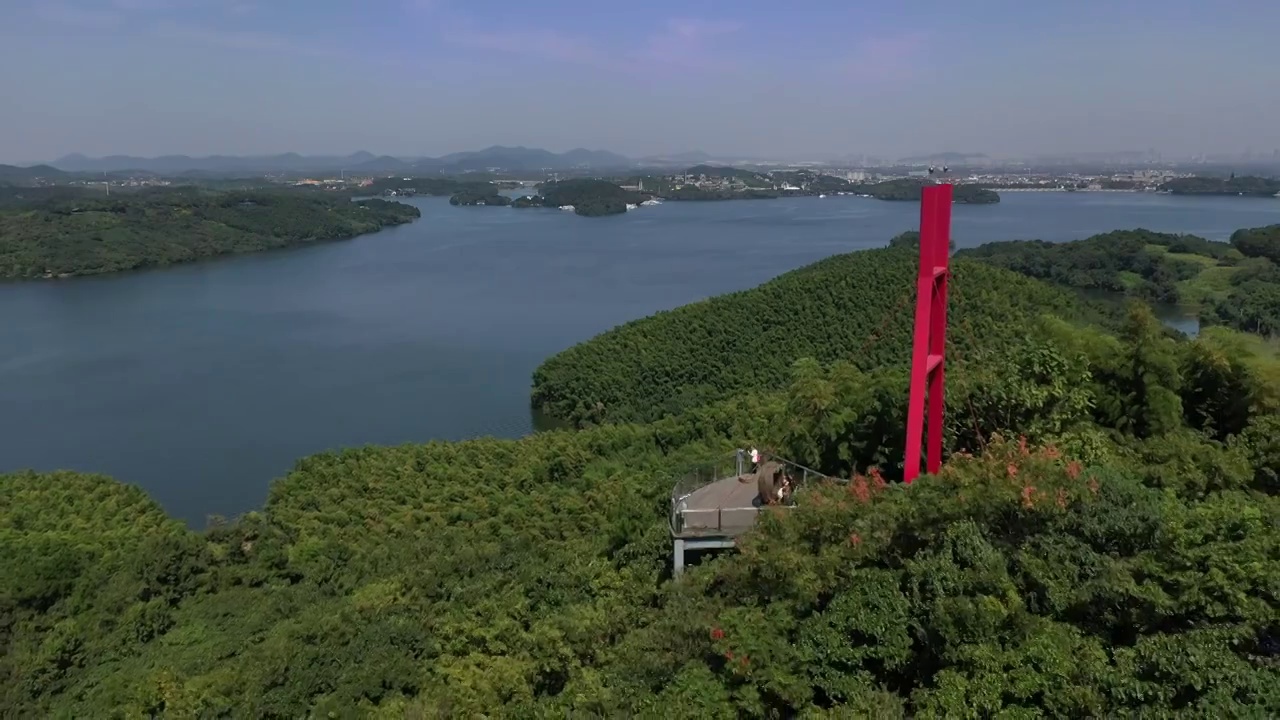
(425,78)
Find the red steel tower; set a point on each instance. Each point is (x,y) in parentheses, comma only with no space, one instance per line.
(929,345)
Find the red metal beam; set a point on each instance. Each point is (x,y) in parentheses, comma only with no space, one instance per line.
(928,357)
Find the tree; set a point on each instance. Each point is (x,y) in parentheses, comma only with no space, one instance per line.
(1142,378)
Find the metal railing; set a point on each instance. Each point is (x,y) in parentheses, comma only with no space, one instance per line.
(702,476)
(737,515)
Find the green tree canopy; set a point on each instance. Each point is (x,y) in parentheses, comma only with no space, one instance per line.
(150,229)
(1100,542)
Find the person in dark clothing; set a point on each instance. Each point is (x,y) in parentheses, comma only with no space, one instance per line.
(773,485)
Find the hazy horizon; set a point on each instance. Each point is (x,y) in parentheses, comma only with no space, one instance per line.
(420,78)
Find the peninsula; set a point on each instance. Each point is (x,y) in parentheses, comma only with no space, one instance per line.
(152,228)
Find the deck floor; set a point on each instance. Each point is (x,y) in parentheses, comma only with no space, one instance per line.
(723,494)
(724,508)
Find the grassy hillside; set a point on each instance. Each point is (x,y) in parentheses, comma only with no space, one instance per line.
(856,306)
(1151,265)
(90,236)
(1235,284)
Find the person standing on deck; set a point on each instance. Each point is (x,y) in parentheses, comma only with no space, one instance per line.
(755,459)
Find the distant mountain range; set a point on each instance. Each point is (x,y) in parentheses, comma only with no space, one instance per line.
(498,157)
(510,159)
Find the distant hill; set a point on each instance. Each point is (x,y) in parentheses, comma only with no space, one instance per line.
(15,175)
(506,158)
(722,171)
(382,163)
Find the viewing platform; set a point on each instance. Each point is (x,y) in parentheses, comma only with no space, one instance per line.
(712,506)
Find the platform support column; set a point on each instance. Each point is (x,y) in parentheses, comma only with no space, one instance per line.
(930,337)
(677,559)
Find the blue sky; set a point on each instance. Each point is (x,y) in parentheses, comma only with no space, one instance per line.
(795,79)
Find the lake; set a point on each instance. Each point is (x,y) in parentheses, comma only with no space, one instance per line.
(203,382)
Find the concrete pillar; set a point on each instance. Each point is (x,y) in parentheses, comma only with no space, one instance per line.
(677,559)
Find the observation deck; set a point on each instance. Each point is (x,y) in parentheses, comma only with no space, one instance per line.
(713,505)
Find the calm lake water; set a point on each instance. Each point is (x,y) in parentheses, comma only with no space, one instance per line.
(201,383)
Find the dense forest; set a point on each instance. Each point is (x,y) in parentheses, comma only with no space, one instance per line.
(1101,541)
(589,197)
(64,237)
(1247,185)
(15,196)
(487,196)
(1236,284)
(911,190)
(529,201)
(705,352)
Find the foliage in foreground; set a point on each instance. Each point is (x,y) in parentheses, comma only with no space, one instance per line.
(1124,568)
(1020,583)
(150,229)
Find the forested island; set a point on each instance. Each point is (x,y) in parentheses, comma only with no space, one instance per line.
(1236,284)
(912,190)
(487,196)
(589,197)
(529,201)
(88,236)
(1245,185)
(1101,541)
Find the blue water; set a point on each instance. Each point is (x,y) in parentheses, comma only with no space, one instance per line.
(201,383)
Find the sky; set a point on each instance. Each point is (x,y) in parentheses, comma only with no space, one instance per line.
(795,80)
